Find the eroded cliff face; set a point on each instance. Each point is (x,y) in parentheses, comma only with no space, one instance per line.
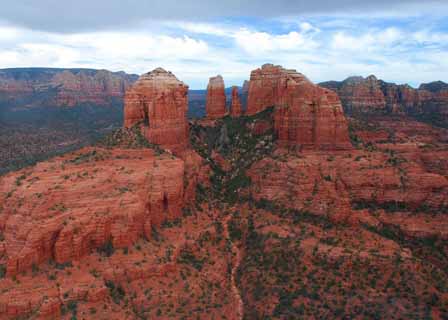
(216,98)
(376,97)
(306,115)
(62,87)
(159,101)
(264,86)
(84,201)
(239,225)
(369,217)
(236,108)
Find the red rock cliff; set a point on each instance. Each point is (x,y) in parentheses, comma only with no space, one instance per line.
(62,87)
(216,98)
(361,94)
(83,200)
(159,101)
(372,96)
(235,107)
(306,115)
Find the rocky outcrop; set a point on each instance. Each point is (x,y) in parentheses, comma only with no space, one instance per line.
(86,201)
(40,87)
(235,107)
(245,89)
(264,87)
(396,177)
(305,115)
(372,96)
(359,94)
(159,101)
(216,98)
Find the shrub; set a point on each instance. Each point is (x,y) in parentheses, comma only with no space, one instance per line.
(106,249)
(116,292)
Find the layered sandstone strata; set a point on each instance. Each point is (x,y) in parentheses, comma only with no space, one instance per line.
(216,98)
(85,201)
(159,101)
(37,87)
(373,96)
(306,115)
(235,107)
(394,173)
(358,93)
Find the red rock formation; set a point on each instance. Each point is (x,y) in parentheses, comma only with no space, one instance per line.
(323,183)
(159,101)
(245,89)
(306,115)
(84,200)
(216,98)
(263,87)
(62,87)
(360,94)
(372,96)
(235,107)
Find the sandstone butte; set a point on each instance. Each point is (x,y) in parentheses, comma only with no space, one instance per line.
(216,98)
(372,96)
(306,115)
(158,102)
(235,107)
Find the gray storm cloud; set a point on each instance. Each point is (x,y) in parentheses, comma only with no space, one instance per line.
(87,15)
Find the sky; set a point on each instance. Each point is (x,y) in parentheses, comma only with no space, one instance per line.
(397,40)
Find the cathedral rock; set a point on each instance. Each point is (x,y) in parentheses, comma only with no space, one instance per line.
(216,98)
(159,101)
(306,115)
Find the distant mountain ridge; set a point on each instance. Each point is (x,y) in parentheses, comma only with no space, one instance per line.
(44,87)
(373,96)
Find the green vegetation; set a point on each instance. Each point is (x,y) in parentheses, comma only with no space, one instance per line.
(106,249)
(187,257)
(90,156)
(2,271)
(36,134)
(70,307)
(239,146)
(128,138)
(396,206)
(116,291)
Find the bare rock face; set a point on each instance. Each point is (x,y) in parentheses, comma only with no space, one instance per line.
(159,101)
(235,107)
(62,87)
(263,87)
(216,98)
(306,115)
(372,96)
(84,201)
(360,94)
(88,199)
(245,89)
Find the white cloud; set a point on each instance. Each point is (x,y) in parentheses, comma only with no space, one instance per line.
(8,33)
(196,51)
(205,28)
(259,43)
(370,41)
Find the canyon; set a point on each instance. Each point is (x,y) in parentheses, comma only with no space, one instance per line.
(291,204)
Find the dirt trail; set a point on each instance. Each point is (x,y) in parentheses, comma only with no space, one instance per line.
(236,260)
